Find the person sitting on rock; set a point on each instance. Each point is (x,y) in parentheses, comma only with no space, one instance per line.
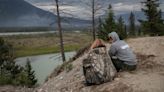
(121,55)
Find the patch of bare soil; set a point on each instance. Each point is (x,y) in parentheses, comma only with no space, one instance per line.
(148,77)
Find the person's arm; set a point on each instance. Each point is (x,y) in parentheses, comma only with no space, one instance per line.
(97,43)
(112,51)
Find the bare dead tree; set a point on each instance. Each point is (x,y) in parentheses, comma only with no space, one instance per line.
(59,12)
(60,30)
(94,6)
(93,19)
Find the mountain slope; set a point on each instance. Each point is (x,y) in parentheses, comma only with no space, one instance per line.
(16,13)
(19,13)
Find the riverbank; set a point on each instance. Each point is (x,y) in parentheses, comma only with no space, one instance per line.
(38,44)
(43,65)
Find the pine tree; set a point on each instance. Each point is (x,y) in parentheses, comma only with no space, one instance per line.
(121,28)
(6,59)
(108,26)
(132,29)
(2,51)
(153,24)
(101,33)
(30,74)
(8,69)
(10,72)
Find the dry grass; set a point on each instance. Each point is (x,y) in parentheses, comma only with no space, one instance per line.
(26,45)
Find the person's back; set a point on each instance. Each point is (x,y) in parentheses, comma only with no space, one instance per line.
(122,51)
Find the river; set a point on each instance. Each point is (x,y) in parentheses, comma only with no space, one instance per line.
(43,65)
(24,33)
(31,33)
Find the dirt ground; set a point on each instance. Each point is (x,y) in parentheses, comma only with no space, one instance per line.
(148,77)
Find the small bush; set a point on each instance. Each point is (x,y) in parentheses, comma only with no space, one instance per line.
(5,80)
(68,67)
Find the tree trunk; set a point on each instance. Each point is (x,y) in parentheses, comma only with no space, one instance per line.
(93,19)
(60,31)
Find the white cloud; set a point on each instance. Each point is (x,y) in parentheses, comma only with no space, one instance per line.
(81,11)
(66,10)
(51,7)
(126,7)
(48,8)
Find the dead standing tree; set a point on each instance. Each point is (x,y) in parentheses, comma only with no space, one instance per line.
(60,30)
(93,19)
(60,19)
(95,7)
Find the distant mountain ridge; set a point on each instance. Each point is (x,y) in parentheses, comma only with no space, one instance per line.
(19,13)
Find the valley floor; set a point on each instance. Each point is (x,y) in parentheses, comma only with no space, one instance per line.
(37,44)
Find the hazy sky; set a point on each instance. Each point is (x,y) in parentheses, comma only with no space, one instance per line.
(78,8)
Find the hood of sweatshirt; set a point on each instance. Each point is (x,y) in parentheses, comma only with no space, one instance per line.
(114,36)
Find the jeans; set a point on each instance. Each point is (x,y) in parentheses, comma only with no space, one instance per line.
(120,65)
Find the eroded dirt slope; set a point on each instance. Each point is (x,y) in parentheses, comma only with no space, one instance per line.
(149,76)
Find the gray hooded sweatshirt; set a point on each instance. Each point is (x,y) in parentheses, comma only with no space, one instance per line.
(121,50)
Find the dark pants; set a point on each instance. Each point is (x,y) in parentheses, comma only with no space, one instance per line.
(120,65)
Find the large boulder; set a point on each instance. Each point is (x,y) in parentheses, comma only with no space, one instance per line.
(98,67)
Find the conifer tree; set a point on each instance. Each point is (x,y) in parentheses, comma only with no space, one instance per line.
(8,69)
(10,72)
(121,28)
(30,74)
(132,29)
(153,25)
(108,25)
(101,33)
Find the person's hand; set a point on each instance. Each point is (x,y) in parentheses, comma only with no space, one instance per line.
(97,43)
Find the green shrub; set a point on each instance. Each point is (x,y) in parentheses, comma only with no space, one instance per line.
(12,74)
(5,80)
(68,67)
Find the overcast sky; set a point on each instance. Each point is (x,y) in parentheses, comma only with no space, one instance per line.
(81,10)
